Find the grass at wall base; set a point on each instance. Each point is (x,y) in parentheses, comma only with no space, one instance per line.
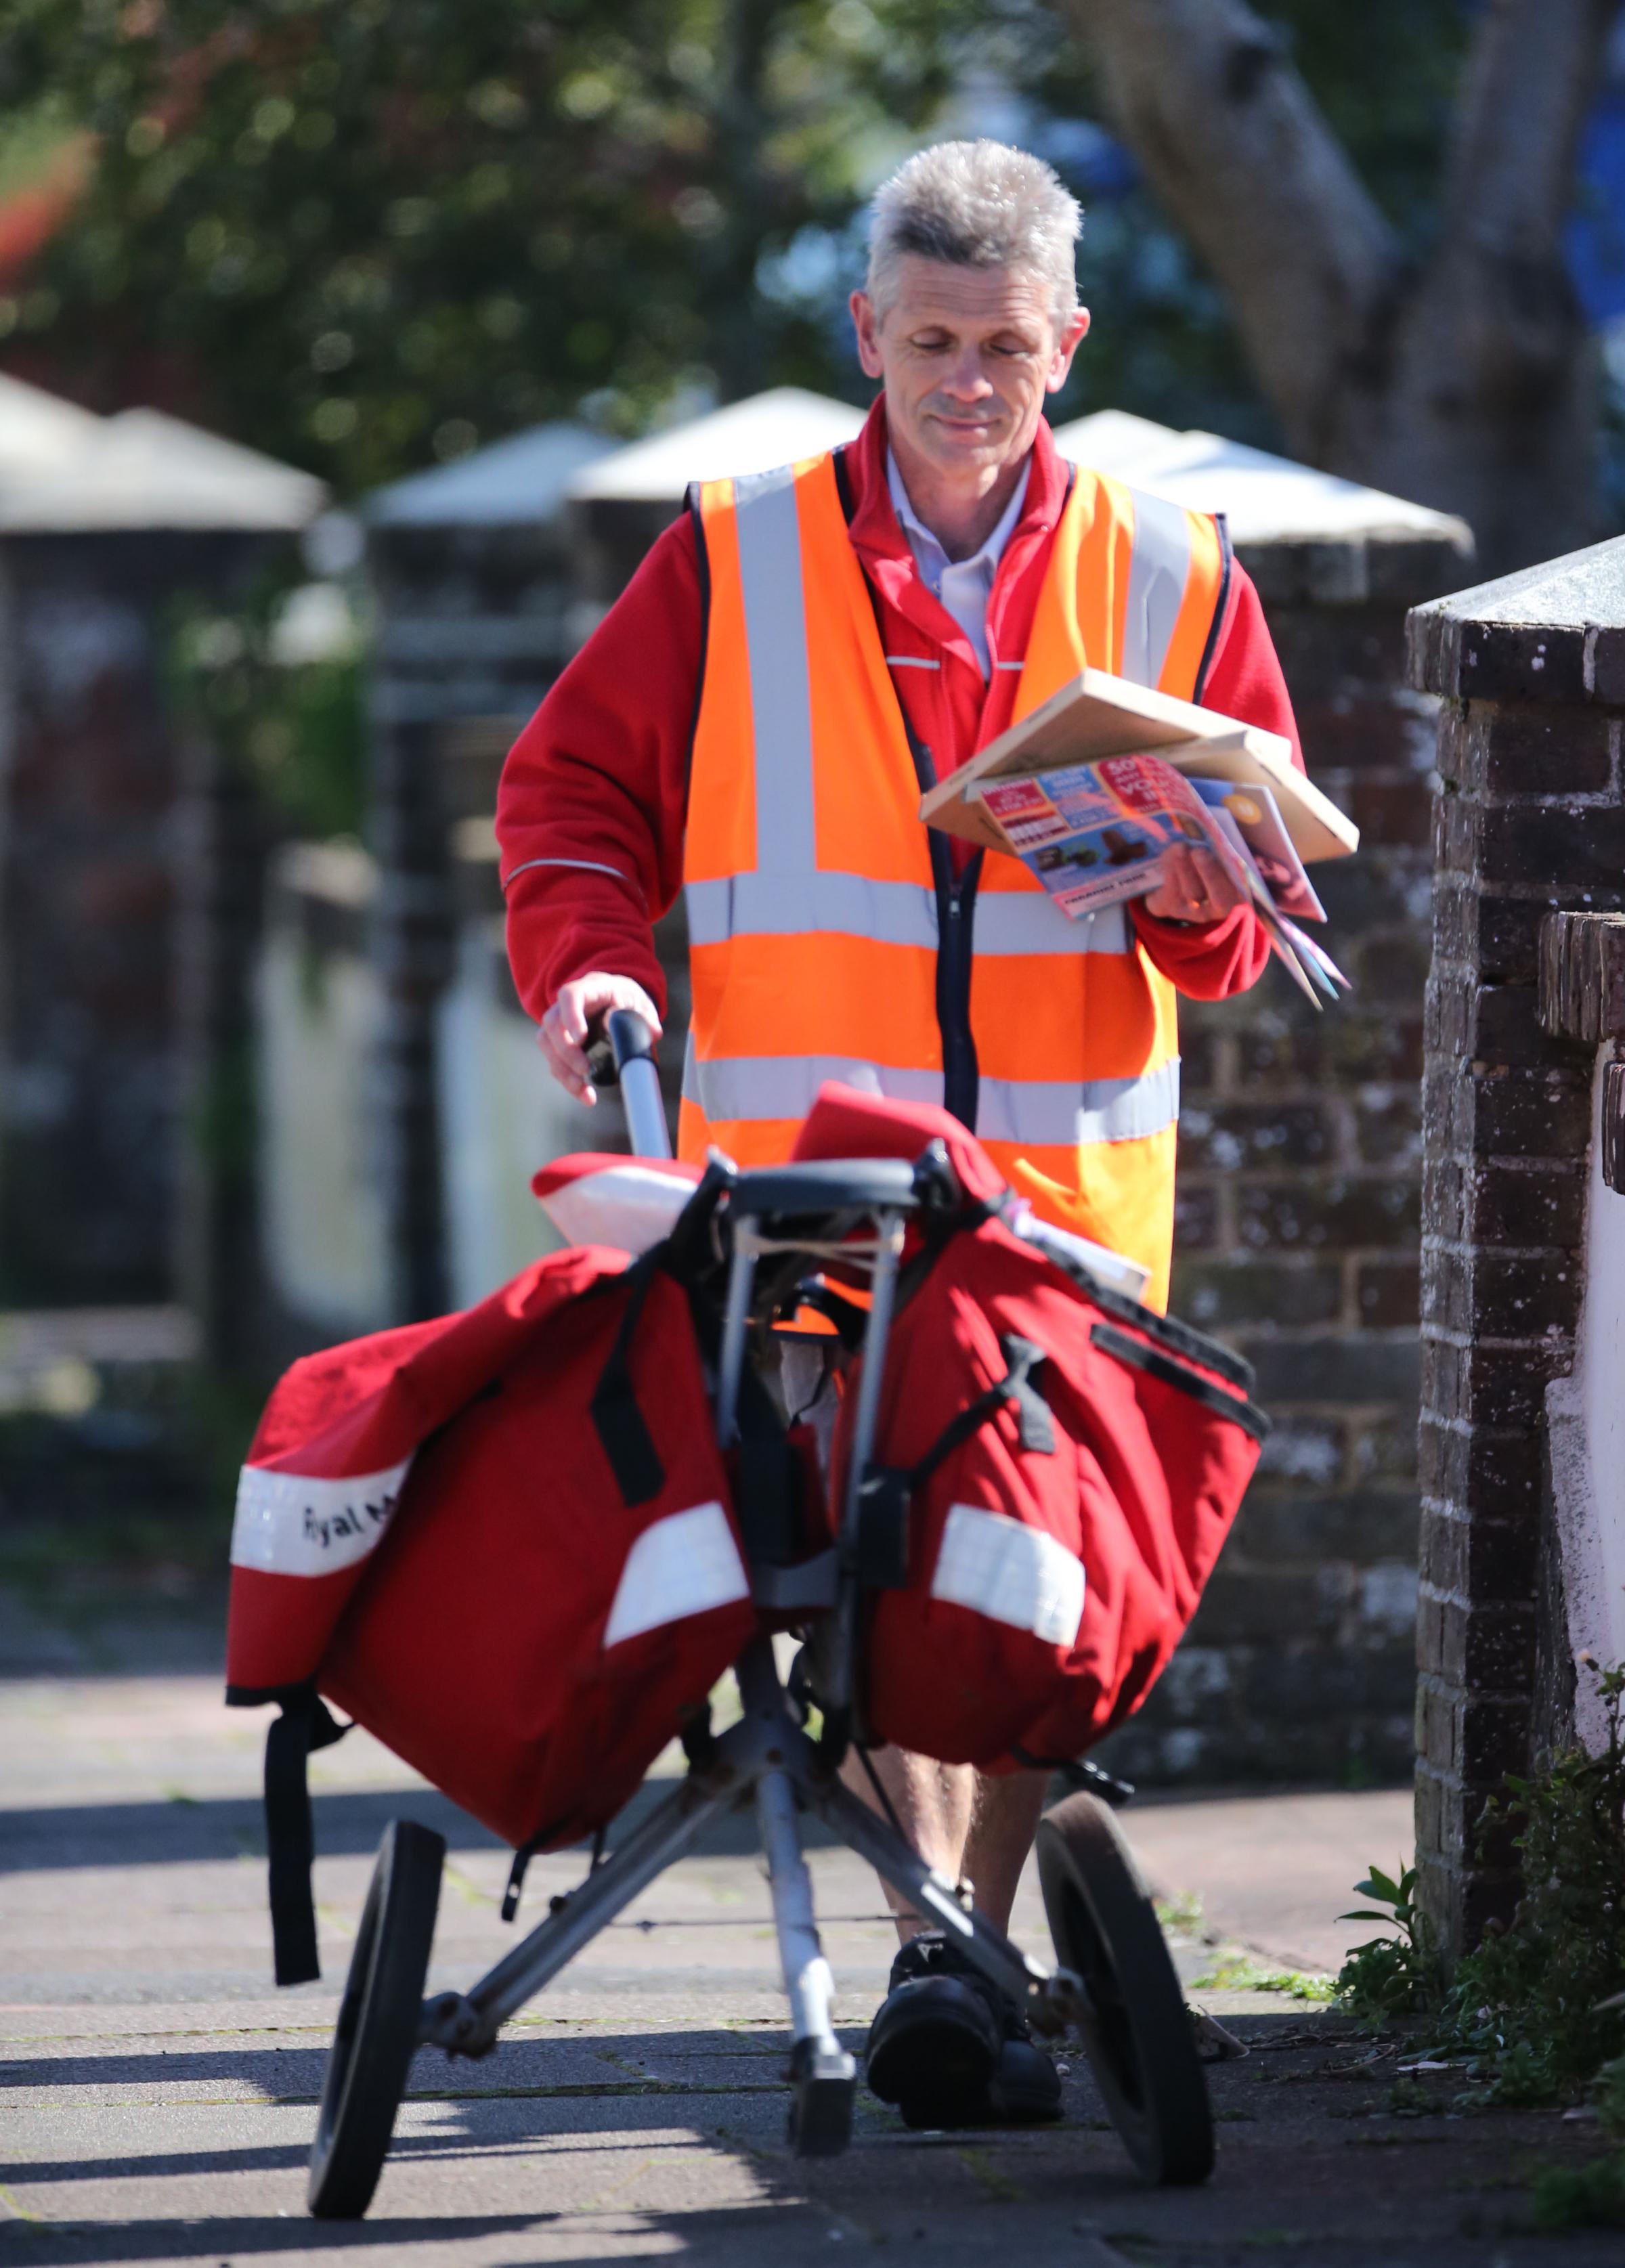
(1535,2013)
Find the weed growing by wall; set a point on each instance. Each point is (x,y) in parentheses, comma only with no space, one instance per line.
(1535,2013)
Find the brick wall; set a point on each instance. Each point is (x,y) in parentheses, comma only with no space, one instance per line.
(1299,1197)
(1529,816)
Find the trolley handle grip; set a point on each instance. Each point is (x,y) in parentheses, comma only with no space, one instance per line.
(617,1037)
(621,1053)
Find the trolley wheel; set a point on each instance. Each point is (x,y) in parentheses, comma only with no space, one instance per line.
(1136,2034)
(823,2085)
(377,2021)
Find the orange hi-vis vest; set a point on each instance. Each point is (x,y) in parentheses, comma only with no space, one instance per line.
(829,937)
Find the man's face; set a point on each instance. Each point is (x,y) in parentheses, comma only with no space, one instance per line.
(967,355)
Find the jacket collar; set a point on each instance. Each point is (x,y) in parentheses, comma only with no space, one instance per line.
(884,549)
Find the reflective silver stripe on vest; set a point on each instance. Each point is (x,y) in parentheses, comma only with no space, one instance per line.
(788,896)
(1032,1112)
(786,1086)
(791,905)
(1159,567)
(1062,1111)
(1008,922)
(1023,922)
(769,575)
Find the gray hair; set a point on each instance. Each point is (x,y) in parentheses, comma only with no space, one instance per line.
(976,204)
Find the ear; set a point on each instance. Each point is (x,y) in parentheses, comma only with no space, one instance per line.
(865,323)
(1070,340)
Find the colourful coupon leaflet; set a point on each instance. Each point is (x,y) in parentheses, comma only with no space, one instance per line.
(1095,834)
(1258,821)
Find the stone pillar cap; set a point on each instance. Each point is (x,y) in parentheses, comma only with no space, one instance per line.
(1555,632)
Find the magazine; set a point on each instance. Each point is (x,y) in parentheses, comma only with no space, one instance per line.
(1096,834)
(1258,818)
(1096,716)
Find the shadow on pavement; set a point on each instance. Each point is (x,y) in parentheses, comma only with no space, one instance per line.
(30,2245)
(630,2064)
(347,1824)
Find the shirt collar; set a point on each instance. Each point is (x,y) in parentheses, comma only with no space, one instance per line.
(875,534)
(887,559)
(925,544)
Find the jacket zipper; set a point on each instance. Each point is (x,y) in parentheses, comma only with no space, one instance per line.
(956,918)
(955,910)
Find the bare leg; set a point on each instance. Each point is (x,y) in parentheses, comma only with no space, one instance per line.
(1002,1826)
(934,1804)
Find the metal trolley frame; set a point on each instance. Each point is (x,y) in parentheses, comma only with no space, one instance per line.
(1115,1984)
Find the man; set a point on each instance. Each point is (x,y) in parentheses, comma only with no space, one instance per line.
(753,723)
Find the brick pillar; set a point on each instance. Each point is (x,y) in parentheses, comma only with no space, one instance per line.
(1299,1193)
(1528,816)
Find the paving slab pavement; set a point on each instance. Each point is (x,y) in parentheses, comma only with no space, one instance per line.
(160,2097)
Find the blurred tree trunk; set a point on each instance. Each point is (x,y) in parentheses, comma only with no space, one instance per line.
(1466,381)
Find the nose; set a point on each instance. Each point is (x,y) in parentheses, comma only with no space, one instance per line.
(966,380)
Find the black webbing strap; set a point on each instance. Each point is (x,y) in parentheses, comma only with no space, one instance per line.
(1157,1365)
(1079,1772)
(616,1419)
(626,1439)
(516,1881)
(888,1490)
(768,1494)
(306,1723)
(1168,1330)
(767,1476)
(1032,1413)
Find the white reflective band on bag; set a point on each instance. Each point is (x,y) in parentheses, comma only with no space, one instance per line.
(1012,1573)
(683,1565)
(290,1524)
(627,1207)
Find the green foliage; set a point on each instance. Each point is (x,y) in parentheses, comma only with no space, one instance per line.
(295,730)
(1386,75)
(1181,1915)
(1609,2095)
(361,232)
(364,233)
(1591,2196)
(1580,2196)
(1397,1974)
(34,144)
(1237,1973)
(1528,2011)
(1526,2007)
(1536,2010)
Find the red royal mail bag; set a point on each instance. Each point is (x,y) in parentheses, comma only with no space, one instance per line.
(504,1541)
(1056,1469)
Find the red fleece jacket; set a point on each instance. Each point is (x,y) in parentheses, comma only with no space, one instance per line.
(594,800)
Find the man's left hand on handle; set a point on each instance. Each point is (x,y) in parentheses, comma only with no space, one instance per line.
(563,1031)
